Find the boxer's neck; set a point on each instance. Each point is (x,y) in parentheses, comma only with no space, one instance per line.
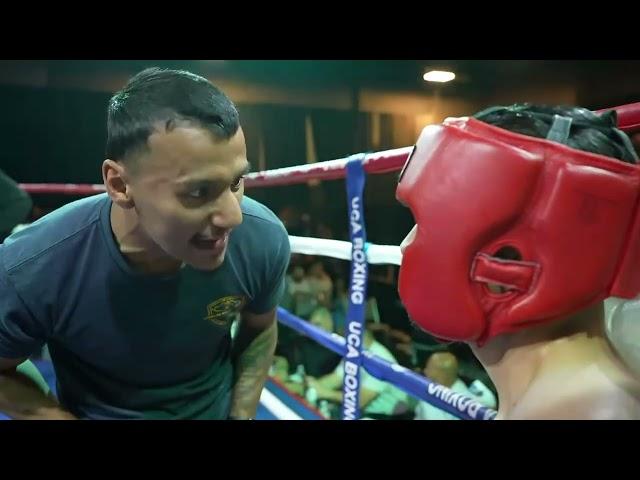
(519,360)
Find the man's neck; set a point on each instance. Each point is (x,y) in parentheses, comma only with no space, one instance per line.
(139,251)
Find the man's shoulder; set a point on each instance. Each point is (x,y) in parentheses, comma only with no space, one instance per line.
(259,214)
(590,394)
(53,234)
(261,228)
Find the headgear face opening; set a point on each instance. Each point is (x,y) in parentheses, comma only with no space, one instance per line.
(568,218)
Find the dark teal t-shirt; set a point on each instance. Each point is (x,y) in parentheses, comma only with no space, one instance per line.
(126,344)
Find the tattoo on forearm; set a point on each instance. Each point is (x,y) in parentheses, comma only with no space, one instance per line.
(252,368)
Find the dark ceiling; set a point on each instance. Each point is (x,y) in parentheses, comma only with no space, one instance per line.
(400,73)
(475,78)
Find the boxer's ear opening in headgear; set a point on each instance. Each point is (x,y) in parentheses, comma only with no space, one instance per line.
(508,253)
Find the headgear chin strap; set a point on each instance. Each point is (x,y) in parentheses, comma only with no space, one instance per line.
(557,228)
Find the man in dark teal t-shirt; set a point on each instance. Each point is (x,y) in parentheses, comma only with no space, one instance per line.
(134,291)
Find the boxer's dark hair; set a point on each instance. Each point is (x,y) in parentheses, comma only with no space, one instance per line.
(591,132)
(158,97)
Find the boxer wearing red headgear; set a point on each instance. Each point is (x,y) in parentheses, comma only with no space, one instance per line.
(518,241)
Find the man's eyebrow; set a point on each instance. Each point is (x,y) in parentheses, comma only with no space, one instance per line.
(204,180)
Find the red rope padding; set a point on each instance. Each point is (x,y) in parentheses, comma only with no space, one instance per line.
(628,117)
(378,162)
(62,188)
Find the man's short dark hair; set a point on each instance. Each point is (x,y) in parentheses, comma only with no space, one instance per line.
(165,97)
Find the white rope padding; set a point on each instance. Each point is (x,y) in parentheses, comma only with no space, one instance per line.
(376,254)
(276,407)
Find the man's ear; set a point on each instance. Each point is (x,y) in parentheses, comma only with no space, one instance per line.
(114,176)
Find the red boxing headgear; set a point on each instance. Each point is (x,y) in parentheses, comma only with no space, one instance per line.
(474,189)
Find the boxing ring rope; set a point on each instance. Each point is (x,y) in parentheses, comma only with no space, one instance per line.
(376,254)
(416,385)
(372,163)
(375,163)
(62,188)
